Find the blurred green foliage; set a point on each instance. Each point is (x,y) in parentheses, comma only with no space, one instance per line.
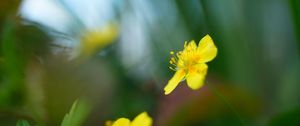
(257,68)
(13,87)
(23,123)
(77,114)
(289,118)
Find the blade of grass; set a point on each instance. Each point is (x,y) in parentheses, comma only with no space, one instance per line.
(226,102)
(23,123)
(78,112)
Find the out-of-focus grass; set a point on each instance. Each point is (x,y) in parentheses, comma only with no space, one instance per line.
(258,57)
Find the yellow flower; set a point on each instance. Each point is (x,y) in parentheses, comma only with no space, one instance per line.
(93,40)
(190,63)
(142,119)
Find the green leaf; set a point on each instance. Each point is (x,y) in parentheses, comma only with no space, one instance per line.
(23,123)
(77,114)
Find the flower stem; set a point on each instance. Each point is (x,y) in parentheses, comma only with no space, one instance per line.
(224,99)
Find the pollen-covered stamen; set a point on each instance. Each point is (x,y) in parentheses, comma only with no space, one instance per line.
(172,68)
(173,59)
(186,58)
(185,44)
(173,63)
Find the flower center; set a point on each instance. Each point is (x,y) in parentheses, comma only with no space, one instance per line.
(183,60)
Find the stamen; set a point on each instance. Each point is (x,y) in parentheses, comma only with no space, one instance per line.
(173,64)
(173,59)
(178,54)
(172,68)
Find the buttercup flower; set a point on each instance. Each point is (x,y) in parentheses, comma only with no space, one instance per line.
(142,119)
(190,64)
(92,41)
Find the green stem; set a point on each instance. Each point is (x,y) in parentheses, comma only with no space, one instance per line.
(224,99)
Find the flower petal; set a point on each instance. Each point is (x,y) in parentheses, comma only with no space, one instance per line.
(179,75)
(191,45)
(142,120)
(196,76)
(122,122)
(206,49)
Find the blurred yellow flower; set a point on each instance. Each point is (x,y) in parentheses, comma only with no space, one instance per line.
(93,40)
(142,119)
(190,64)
